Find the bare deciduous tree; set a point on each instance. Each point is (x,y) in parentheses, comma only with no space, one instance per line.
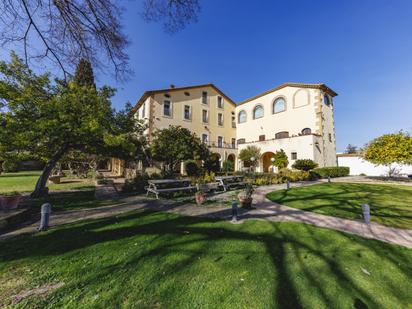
(175,14)
(65,31)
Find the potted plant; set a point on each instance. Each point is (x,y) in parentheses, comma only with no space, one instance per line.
(200,194)
(10,200)
(245,197)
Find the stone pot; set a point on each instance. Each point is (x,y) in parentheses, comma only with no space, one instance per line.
(200,198)
(10,202)
(55,179)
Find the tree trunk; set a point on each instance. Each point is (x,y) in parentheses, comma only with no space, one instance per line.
(41,189)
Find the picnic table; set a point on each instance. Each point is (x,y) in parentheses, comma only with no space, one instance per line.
(228,182)
(168,185)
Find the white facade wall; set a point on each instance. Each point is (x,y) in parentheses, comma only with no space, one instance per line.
(302,145)
(359,166)
(305,108)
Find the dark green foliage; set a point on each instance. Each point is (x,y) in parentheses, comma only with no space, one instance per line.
(212,163)
(84,74)
(333,171)
(304,164)
(228,166)
(250,155)
(192,168)
(50,119)
(176,144)
(281,159)
(137,184)
(10,166)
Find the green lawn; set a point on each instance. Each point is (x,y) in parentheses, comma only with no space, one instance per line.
(82,198)
(25,182)
(390,205)
(161,260)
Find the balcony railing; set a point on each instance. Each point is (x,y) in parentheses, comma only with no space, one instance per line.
(223,145)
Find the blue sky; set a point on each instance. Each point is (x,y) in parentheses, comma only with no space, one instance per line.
(361,49)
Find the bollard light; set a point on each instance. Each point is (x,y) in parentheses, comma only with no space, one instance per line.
(287,184)
(45,215)
(234,211)
(366,213)
(329,179)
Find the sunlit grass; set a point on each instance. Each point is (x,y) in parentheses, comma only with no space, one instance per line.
(390,204)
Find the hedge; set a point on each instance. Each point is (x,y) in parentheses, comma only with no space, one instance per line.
(333,171)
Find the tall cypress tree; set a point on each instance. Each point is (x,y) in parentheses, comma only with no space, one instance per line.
(84,74)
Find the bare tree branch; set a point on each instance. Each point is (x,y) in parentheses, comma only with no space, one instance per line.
(65,31)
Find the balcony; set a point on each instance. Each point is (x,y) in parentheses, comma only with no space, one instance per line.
(223,145)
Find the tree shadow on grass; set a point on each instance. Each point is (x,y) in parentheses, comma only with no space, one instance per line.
(281,245)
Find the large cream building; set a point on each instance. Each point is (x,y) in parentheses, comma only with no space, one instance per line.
(297,118)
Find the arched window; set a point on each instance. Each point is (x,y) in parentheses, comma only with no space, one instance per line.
(283,134)
(279,105)
(326,99)
(306,131)
(242,117)
(258,112)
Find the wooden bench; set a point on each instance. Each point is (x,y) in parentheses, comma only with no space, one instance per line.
(168,186)
(227,182)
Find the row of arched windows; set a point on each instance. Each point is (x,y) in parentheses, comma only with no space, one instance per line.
(279,105)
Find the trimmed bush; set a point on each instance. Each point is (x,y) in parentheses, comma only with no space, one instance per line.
(228,166)
(136,184)
(192,169)
(304,165)
(10,166)
(333,171)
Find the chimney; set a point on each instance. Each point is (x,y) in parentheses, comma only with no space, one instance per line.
(172,86)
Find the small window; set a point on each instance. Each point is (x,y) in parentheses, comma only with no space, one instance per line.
(220,119)
(233,142)
(187,94)
(279,105)
(294,155)
(167,108)
(144,110)
(283,134)
(167,95)
(242,117)
(241,141)
(204,97)
(258,112)
(205,116)
(326,100)
(330,137)
(220,141)
(219,102)
(261,138)
(205,138)
(306,131)
(187,115)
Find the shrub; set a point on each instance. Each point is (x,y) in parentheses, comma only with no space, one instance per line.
(228,166)
(10,166)
(304,165)
(167,174)
(284,175)
(333,171)
(136,184)
(192,169)
(209,177)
